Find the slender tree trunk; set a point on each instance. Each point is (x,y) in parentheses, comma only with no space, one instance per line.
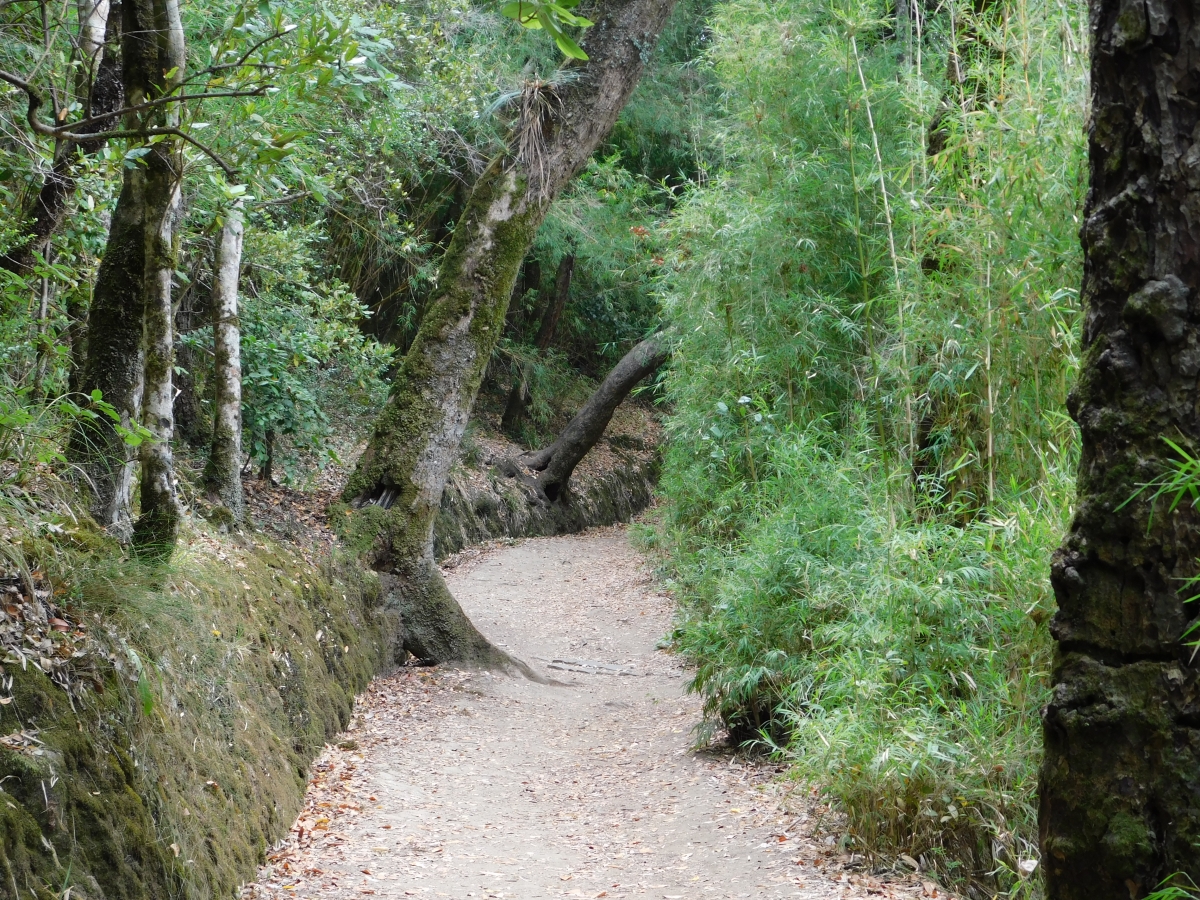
(558,461)
(552,310)
(76,336)
(223,473)
(1120,783)
(44,344)
(158,524)
(417,435)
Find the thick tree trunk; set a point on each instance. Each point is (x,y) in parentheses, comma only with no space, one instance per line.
(416,437)
(133,294)
(1120,784)
(223,473)
(114,364)
(158,525)
(101,92)
(552,310)
(556,462)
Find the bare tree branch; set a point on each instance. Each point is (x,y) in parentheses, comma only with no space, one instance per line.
(36,101)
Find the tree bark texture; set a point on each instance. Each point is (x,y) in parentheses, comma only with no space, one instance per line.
(552,310)
(556,462)
(416,438)
(114,365)
(162,46)
(101,92)
(1120,783)
(223,472)
(132,291)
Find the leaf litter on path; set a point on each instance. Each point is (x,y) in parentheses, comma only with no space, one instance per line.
(465,784)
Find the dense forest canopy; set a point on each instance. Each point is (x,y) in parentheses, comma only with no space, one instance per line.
(852,225)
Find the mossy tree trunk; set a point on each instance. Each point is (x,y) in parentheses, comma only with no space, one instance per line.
(130,335)
(552,310)
(416,437)
(1120,783)
(223,472)
(162,51)
(113,365)
(556,462)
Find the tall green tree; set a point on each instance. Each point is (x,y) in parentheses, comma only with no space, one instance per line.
(1120,784)
(416,437)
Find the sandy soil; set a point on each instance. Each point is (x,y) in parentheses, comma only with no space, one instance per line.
(472,785)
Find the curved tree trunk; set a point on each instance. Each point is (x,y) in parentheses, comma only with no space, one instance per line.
(1120,783)
(558,461)
(552,310)
(416,437)
(223,472)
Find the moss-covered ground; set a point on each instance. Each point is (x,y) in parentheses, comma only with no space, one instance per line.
(200,696)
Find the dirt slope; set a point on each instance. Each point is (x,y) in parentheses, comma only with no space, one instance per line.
(467,785)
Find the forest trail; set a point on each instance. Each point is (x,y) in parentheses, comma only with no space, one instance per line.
(472,785)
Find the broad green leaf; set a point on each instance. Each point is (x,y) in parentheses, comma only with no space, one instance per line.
(569,47)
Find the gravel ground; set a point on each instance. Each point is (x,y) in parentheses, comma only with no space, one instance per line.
(471,785)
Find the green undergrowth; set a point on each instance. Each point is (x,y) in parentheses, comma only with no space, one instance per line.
(205,691)
(897,663)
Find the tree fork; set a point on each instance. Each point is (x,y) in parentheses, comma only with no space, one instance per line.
(103,97)
(403,472)
(1120,782)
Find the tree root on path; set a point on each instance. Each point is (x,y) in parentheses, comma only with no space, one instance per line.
(435,630)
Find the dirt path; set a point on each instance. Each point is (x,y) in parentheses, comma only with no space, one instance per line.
(468,785)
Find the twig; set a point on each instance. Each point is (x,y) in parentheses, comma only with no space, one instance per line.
(162,101)
(36,101)
(245,56)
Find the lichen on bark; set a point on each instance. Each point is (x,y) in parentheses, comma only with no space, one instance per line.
(416,437)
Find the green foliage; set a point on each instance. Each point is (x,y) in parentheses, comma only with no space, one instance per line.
(1179,886)
(305,361)
(899,666)
(538,15)
(875,297)
(611,219)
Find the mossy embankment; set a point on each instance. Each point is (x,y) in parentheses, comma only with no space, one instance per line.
(156,738)
(613,483)
(481,509)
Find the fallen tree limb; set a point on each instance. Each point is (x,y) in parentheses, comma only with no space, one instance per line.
(556,462)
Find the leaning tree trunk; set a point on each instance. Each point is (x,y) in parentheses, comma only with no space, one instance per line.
(1120,784)
(132,292)
(552,310)
(416,437)
(556,462)
(223,472)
